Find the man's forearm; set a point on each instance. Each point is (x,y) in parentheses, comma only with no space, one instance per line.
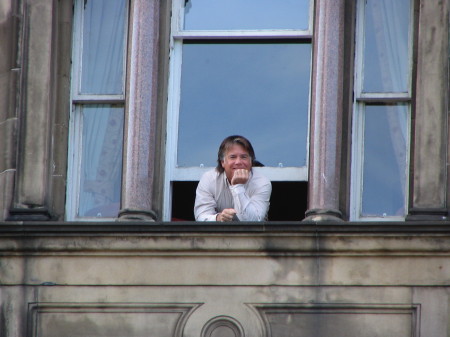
(249,208)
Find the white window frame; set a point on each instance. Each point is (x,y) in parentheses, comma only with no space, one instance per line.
(178,34)
(78,101)
(361,99)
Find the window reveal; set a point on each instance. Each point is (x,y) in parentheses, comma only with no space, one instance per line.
(382,110)
(244,73)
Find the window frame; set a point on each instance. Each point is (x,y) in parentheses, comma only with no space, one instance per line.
(360,100)
(77,102)
(177,36)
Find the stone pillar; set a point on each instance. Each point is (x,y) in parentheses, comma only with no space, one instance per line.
(428,194)
(62,108)
(9,83)
(31,199)
(326,112)
(140,110)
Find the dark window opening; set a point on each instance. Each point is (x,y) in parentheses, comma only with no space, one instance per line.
(287,203)
(183,199)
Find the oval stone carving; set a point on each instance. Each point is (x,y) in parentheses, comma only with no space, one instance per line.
(222,326)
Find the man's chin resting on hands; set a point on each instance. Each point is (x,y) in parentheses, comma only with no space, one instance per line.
(233,191)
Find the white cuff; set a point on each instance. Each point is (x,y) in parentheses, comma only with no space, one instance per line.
(237,189)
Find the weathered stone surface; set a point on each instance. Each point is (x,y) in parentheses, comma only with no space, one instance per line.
(8,145)
(7,191)
(9,82)
(163,279)
(32,179)
(265,279)
(429,189)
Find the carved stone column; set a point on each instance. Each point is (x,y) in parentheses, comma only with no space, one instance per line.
(428,195)
(9,80)
(31,194)
(140,110)
(326,112)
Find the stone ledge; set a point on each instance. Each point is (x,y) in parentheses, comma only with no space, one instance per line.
(293,239)
(130,227)
(288,254)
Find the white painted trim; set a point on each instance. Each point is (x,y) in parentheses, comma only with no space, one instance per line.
(100,99)
(384,97)
(273,173)
(357,159)
(77,47)
(74,140)
(173,106)
(74,163)
(247,34)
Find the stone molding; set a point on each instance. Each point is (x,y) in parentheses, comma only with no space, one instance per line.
(283,254)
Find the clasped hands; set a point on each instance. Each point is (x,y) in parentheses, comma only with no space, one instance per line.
(226,215)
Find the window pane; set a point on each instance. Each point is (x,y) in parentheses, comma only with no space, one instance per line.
(385,158)
(258,90)
(103,47)
(101,166)
(386,47)
(246,14)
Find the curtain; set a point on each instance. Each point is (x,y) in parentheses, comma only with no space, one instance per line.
(103,47)
(387,70)
(102,73)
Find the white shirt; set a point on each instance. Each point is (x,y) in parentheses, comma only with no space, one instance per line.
(250,200)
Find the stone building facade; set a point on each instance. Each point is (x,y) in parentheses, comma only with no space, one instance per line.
(320,267)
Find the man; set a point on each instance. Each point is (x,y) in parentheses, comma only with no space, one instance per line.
(233,191)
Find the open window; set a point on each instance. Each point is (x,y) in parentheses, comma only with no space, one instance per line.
(238,67)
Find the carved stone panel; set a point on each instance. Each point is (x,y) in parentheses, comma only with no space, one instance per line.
(346,320)
(107,320)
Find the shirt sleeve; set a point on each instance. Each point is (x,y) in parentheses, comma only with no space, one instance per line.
(252,203)
(205,208)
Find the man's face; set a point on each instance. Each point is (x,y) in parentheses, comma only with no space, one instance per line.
(236,158)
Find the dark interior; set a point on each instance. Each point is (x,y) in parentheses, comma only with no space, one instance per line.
(287,203)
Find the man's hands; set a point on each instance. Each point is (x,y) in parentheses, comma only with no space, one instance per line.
(240,176)
(226,215)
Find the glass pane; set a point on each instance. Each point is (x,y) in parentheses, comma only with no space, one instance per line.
(101,166)
(246,14)
(258,90)
(385,159)
(386,47)
(103,47)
